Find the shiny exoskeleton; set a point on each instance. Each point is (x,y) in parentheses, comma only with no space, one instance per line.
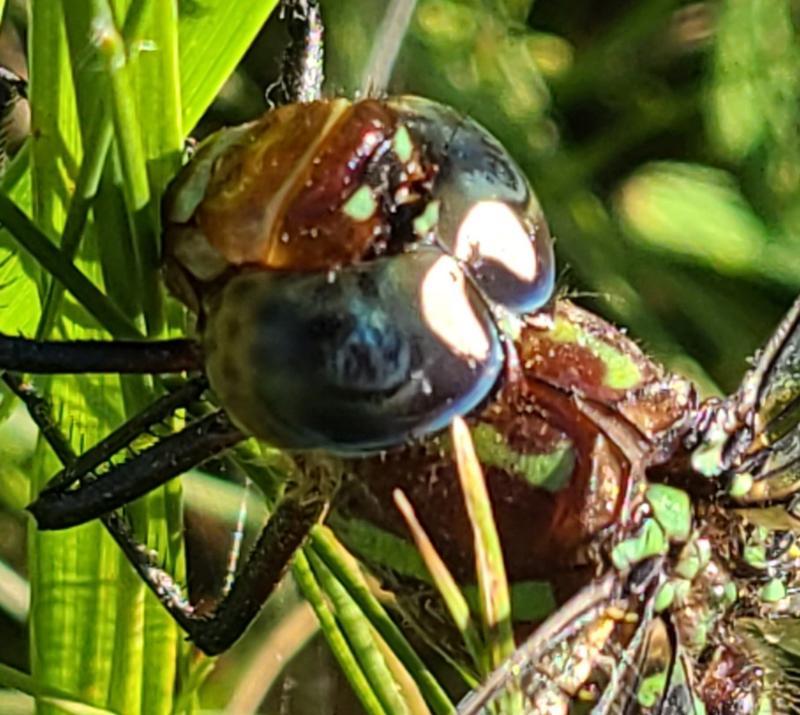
(649,539)
(351,301)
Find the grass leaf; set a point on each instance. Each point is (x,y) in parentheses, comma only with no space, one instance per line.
(228,29)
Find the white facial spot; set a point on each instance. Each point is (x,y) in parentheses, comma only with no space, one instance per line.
(449,313)
(491,230)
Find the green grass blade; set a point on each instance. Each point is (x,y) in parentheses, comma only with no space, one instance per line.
(448,587)
(100,137)
(150,32)
(493,594)
(15,593)
(12,678)
(54,123)
(142,209)
(310,588)
(56,264)
(494,600)
(328,548)
(19,272)
(356,629)
(153,41)
(213,39)
(72,573)
(95,629)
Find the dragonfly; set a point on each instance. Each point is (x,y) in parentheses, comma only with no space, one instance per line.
(342,307)
(650,538)
(624,503)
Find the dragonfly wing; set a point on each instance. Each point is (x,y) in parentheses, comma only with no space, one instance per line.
(774,382)
(763,418)
(520,672)
(604,652)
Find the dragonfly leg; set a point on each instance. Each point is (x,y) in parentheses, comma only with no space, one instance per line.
(267,561)
(302,72)
(145,421)
(99,356)
(216,630)
(60,506)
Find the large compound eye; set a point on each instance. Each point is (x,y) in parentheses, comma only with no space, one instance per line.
(483,211)
(354,360)
(509,254)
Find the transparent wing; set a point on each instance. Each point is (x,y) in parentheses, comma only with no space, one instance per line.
(604,652)
(765,443)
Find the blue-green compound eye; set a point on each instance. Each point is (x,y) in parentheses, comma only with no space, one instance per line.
(353,360)
(482,209)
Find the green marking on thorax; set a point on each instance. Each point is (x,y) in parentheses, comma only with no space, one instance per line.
(361,206)
(699,635)
(683,589)
(649,541)
(755,549)
(530,600)
(755,555)
(622,372)
(773,591)
(426,222)
(707,458)
(402,144)
(693,557)
(730,594)
(672,509)
(651,688)
(550,471)
(664,596)
(740,485)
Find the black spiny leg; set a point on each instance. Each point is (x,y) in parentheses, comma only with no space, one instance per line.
(60,506)
(213,631)
(216,630)
(150,417)
(302,71)
(144,357)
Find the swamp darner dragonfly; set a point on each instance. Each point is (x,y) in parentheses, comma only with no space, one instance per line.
(655,569)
